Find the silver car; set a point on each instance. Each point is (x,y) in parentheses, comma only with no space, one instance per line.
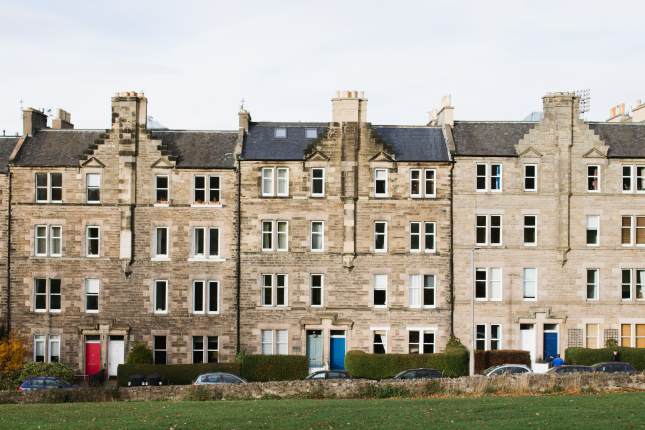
(507,369)
(218,378)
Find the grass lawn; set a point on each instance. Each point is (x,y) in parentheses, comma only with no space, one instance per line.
(618,411)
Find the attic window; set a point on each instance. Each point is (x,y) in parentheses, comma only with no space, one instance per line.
(311,133)
(280,133)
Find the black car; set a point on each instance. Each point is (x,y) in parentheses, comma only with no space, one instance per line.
(329,374)
(137,380)
(613,367)
(421,373)
(566,369)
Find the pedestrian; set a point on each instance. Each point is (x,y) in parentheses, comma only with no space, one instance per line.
(558,361)
(615,355)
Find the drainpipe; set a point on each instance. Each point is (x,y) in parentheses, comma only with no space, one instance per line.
(8,320)
(452,253)
(471,361)
(239,256)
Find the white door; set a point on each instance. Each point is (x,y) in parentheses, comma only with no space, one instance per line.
(116,352)
(527,337)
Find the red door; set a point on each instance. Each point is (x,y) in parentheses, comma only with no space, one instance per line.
(92,358)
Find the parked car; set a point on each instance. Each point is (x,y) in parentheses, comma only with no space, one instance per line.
(569,368)
(329,374)
(137,380)
(507,369)
(613,367)
(218,378)
(34,383)
(155,379)
(420,373)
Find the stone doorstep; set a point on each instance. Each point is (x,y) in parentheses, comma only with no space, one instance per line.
(531,384)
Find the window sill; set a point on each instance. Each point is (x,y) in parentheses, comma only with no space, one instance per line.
(529,300)
(204,314)
(161,313)
(206,205)
(161,205)
(317,196)
(206,259)
(93,203)
(160,259)
(92,256)
(91,312)
(279,307)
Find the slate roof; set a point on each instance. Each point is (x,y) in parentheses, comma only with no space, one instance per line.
(56,148)
(414,143)
(409,143)
(7,144)
(624,140)
(261,144)
(191,149)
(492,139)
(200,149)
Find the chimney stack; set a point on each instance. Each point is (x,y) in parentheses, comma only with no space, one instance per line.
(32,121)
(638,111)
(349,106)
(444,115)
(561,107)
(129,111)
(63,120)
(244,119)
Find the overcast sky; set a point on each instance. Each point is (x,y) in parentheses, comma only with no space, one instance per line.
(196,60)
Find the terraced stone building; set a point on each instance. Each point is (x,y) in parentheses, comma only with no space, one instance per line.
(318,238)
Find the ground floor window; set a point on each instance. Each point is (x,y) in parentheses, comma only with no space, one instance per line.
(47,348)
(159,349)
(593,334)
(379,343)
(275,342)
(205,349)
(632,335)
(420,341)
(488,337)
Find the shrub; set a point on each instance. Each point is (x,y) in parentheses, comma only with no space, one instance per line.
(589,356)
(264,368)
(60,370)
(12,355)
(140,354)
(173,374)
(486,359)
(453,362)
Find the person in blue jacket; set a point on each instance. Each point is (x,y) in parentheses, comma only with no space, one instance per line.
(558,361)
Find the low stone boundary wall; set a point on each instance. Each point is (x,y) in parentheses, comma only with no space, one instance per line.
(527,384)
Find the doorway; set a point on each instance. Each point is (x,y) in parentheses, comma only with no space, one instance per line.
(337,350)
(550,341)
(314,350)
(527,339)
(92,355)
(116,354)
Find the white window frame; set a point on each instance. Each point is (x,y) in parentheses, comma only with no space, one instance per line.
(49,239)
(274,342)
(48,296)
(633,230)
(284,180)
(378,286)
(432,234)
(384,249)
(49,187)
(421,342)
(629,177)
(595,284)
(320,233)
(267,181)
(274,287)
(385,180)
(590,220)
(166,189)
(524,284)
(525,177)
(156,255)
(40,339)
(89,187)
(433,194)
(52,238)
(598,178)
(274,235)
(321,287)
(206,243)
(88,239)
(164,350)
(418,181)
(88,294)
(597,337)
(633,284)
(493,284)
(484,176)
(203,189)
(417,235)
(535,232)
(488,226)
(383,333)
(51,340)
(416,291)
(154,297)
(38,238)
(488,338)
(321,180)
(501,177)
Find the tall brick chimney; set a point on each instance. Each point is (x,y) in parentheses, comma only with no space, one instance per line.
(63,120)
(349,106)
(561,107)
(32,121)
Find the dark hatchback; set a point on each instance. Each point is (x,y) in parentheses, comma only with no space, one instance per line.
(613,367)
(567,369)
(421,373)
(329,374)
(43,383)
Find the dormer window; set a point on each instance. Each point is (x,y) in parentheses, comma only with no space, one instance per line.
(280,133)
(311,133)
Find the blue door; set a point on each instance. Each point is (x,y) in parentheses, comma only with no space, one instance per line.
(550,345)
(315,349)
(337,352)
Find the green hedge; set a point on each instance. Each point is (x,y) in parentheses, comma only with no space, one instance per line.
(589,356)
(453,362)
(262,368)
(174,374)
(486,359)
